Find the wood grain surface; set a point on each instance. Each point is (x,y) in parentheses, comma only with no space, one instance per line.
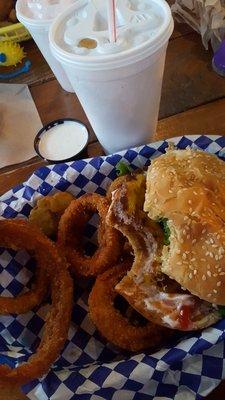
(193,102)
(188,79)
(205,119)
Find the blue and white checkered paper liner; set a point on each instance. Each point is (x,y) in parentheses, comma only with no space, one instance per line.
(90,368)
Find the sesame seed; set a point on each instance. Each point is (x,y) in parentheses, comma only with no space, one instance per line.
(193,259)
(184,231)
(189,202)
(195,271)
(214,291)
(215,275)
(218,283)
(209,295)
(203,277)
(178,251)
(209,273)
(204,231)
(203,259)
(184,256)
(195,193)
(216,257)
(211,255)
(194,241)
(190,275)
(219,269)
(222,273)
(207,253)
(185,218)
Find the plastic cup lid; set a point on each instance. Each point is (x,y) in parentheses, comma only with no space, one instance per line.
(40,12)
(140,33)
(61,140)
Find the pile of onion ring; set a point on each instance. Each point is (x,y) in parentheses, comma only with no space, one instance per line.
(109,264)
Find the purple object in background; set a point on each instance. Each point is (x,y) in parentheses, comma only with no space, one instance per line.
(218,61)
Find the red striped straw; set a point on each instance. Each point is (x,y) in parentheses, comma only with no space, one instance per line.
(112,20)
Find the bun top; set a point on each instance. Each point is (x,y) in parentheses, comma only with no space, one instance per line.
(187,187)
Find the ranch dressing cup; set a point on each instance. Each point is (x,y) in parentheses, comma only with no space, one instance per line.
(118,84)
(37,16)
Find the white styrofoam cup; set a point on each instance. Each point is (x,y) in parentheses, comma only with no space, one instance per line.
(120,92)
(39,30)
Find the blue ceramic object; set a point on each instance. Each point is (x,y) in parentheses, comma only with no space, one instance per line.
(218,61)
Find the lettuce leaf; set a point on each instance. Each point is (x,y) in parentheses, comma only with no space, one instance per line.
(166,230)
(122,168)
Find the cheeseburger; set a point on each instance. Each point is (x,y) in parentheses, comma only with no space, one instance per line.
(177,237)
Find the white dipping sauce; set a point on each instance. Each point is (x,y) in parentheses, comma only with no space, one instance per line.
(63,141)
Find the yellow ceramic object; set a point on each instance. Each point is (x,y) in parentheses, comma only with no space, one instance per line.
(10,54)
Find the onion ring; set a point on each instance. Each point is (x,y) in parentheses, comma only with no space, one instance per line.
(112,325)
(19,234)
(58,318)
(71,226)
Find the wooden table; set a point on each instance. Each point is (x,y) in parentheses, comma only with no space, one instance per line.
(193,102)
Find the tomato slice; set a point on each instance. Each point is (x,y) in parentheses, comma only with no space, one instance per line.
(184,317)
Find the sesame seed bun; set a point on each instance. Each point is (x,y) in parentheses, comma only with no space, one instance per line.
(187,187)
